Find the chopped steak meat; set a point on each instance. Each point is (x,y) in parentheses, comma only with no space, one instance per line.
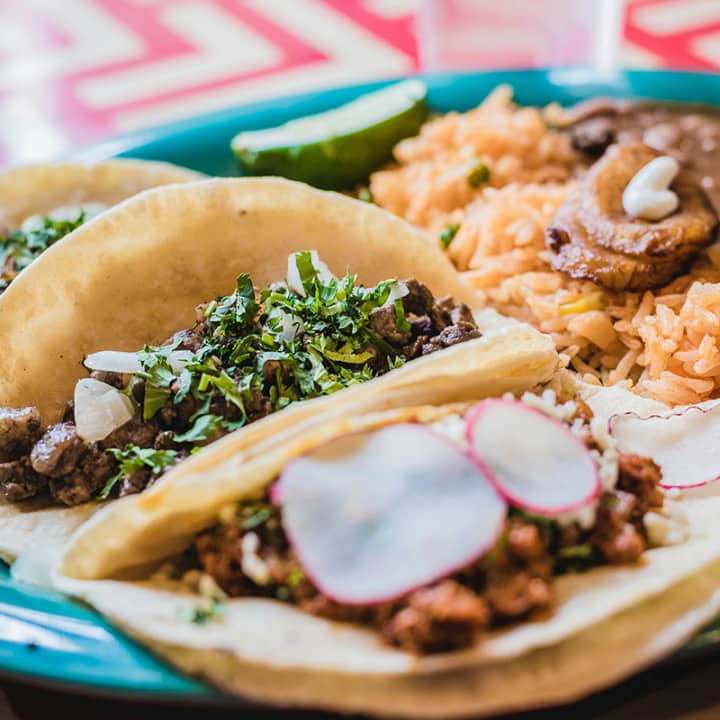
(433,324)
(383,321)
(18,481)
(58,450)
(19,429)
(86,479)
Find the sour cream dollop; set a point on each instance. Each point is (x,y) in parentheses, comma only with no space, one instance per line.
(648,195)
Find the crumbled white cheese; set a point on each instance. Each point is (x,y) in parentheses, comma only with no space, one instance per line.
(252,564)
(453,428)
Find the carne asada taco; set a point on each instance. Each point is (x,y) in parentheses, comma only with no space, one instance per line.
(410,562)
(160,356)
(40,204)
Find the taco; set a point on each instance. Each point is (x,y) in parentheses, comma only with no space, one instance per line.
(432,561)
(40,204)
(161,356)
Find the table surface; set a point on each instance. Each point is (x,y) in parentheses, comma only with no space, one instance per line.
(160,60)
(689,691)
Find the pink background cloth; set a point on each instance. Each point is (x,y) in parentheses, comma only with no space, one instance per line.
(75,71)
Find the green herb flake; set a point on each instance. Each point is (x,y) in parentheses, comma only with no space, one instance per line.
(576,558)
(133,458)
(204,614)
(448,234)
(479,174)
(20,248)
(260,516)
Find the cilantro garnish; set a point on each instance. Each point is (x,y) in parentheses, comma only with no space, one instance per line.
(479,175)
(158,376)
(21,247)
(259,354)
(203,614)
(448,234)
(133,458)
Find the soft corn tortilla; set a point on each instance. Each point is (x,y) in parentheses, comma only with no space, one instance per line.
(40,189)
(617,619)
(134,275)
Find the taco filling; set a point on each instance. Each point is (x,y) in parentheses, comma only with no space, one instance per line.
(248,355)
(37,233)
(432,534)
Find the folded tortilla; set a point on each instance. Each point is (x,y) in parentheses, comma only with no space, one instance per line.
(40,189)
(606,624)
(134,275)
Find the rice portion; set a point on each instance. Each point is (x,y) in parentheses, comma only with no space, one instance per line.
(663,344)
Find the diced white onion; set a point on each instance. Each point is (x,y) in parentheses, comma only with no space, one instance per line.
(65,213)
(178,359)
(99,409)
(398,290)
(293,275)
(291,326)
(113,361)
(127,362)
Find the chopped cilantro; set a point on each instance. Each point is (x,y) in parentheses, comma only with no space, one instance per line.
(258,354)
(132,458)
(203,614)
(259,516)
(20,248)
(576,558)
(158,376)
(479,175)
(448,234)
(205,427)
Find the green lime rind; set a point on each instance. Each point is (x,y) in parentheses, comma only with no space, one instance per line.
(337,149)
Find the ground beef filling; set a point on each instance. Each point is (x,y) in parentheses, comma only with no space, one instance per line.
(250,556)
(58,464)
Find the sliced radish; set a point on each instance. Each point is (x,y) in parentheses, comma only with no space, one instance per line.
(374,515)
(684,443)
(535,462)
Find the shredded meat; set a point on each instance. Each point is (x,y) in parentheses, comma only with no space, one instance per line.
(640,476)
(135,431)
(442,617)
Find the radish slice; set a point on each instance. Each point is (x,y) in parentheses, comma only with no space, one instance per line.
(99,409)
(534,461)
(113,361)
(684,443)
(374,515)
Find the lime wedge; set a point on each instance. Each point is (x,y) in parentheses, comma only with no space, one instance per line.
(341,147)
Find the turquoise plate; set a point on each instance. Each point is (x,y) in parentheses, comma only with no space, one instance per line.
(47,639)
